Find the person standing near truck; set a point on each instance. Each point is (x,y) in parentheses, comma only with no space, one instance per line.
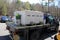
(4,18)
(57,37)
(4,32)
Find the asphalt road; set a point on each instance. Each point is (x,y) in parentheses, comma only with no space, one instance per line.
(48,35)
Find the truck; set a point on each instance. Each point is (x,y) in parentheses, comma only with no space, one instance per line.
(32,32)
(29,17)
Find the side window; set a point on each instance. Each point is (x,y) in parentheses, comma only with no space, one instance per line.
(33,15)
(28,15)
(40,15)
(37,15)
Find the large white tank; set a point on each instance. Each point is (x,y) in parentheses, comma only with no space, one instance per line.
(28,17)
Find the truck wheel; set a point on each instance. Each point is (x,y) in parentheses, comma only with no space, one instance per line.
(35,35)
(56,29)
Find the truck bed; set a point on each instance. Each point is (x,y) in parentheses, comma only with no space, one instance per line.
(24,27)
(28,31)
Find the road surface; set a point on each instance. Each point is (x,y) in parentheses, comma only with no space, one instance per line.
(48,35)
(52,34)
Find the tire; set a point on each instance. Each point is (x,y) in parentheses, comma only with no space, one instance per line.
(56,29)
(35,35)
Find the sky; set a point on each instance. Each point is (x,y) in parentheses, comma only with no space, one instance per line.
(57,2)
(32,1)
(40,1)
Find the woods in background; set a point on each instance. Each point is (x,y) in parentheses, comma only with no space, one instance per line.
(8,8)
